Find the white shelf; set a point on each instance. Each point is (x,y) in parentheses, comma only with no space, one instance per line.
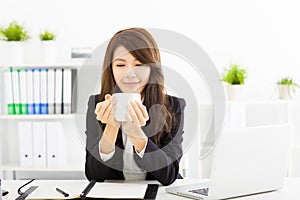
(295,146)
(71,63)
(15,167)
(33,117)
(263,101)
(73,124)
(254,101)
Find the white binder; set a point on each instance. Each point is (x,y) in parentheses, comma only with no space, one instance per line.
(25,144)
(16,91)
(43,89)
(56,145)
(51,91)
(58,91)
(67,91)
(8,92)
(30,94)
(37,91)
(39,144)
(23,90)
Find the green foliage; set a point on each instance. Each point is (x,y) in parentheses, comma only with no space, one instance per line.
(234,75)
(46,35)
(287,81)
(14,32)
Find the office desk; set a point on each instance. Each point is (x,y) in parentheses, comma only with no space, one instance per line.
(290,191)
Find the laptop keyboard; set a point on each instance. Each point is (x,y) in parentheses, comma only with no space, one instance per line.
(203,191)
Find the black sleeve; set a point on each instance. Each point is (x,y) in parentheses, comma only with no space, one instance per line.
(171,152)
(95,168)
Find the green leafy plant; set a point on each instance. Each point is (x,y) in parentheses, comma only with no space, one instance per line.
(46,35)
(287,81)
(234,75)
(14,32)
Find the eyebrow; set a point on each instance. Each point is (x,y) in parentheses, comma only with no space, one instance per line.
(121,59)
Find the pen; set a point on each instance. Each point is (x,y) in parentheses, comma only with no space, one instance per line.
(4,192)
(87,189)
(62,192)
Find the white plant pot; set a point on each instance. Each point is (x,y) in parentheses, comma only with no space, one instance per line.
(48,51)
(13,53)
(284,92)
(235,92)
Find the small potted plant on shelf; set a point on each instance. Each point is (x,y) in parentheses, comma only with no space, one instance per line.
(14,35)
(47,47)
(286,88)
(235,78)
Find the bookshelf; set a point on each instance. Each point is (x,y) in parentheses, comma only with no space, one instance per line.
(73,126)
(70,64)
(35,117)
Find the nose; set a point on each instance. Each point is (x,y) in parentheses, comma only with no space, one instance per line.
(131,73)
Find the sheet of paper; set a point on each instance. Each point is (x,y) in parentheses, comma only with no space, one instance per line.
(118,190)
(100,190)
(48,190)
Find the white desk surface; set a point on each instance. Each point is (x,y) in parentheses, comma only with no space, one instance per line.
(289,191)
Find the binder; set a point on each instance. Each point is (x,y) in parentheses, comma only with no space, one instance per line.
(37,91)
(39,144)
(43,89)
(56,145)
(30,94)
(67,90)
(23,91)
(16,90)
(25,144)
(9,99)
(51,91)
(58,91)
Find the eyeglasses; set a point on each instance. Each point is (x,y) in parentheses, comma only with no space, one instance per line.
(23,195)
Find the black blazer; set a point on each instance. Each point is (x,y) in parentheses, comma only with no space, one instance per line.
(166,157)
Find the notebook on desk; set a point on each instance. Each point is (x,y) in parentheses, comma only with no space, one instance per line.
(98,191)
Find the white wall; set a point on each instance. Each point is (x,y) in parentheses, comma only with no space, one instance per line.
(261,35)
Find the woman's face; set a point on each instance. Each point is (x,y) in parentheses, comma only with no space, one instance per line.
(130,74)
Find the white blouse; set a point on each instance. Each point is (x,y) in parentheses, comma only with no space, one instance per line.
(131,170)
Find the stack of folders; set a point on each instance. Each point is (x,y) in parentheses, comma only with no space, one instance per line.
(39,91)
(42,144)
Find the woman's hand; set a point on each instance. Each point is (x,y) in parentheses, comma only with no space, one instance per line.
(105,112)
(136,118)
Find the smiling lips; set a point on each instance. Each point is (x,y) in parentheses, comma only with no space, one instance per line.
(131,84)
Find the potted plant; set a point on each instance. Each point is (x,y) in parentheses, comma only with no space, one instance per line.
(235,77)
(13,35)
(47,47)
(286,88)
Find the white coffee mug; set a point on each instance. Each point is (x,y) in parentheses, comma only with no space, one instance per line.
(122,100)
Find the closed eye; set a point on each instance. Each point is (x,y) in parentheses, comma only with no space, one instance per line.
(120,65)
(140,65)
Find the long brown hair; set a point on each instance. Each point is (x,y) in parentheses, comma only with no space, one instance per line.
(143,47)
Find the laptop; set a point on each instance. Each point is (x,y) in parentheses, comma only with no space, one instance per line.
(245,161)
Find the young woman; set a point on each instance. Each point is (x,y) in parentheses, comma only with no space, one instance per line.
(148,146)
